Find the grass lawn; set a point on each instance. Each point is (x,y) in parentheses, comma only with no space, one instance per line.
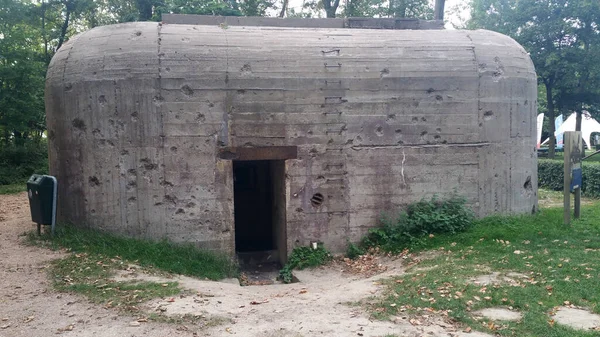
(561,264)
(12,189)
(184,259)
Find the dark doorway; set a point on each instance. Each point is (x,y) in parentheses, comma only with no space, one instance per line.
(259,207)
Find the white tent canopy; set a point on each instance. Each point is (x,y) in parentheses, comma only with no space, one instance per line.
(588,126)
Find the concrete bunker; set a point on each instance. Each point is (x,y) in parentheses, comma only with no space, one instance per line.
(265,138)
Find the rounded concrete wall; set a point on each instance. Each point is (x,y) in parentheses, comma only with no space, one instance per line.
(137,114)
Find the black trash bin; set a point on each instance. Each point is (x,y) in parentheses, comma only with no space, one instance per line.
(41,190)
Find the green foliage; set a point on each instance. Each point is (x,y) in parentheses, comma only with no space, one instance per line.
(550,176)
(12,189)
(353,251)
(18,163)
(558,264)
(184,259)
(304,257)
(421,219)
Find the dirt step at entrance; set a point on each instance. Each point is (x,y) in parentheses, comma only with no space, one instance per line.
(260,268)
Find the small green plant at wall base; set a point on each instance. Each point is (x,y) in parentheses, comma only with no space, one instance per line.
(354,251)
(421,219)
(304,257)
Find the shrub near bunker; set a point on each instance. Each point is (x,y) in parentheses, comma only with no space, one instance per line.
(423,218)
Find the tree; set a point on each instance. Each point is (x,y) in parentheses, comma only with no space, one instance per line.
(560,36)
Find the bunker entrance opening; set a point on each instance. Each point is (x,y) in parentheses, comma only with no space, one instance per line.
(259,211)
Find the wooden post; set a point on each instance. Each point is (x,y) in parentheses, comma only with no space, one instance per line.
(573,146)
(567,178)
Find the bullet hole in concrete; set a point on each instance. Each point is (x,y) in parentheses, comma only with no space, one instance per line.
(102,99)
(423,133)
(210,104)
(78,124)
(134,116)
(180,211)
(93,211)
(349,142)
(398,131)
(317,199)
(158,203)
(430,90)
(200,118)
(385,72)
(310,132)
(423,119)
(488,115)
(68,87)
(437,137)
(137,33)
(321,178)
(299,210)
(131,185)
(94,181)
(168,68)
(415,119)
(169,198)
(528,185)
(166,183)
(391,116)
(379,131)
(132,199)
(187,90)
(173,148)
(241,91)
(438,129)
(148,165)
(190,205)
(400,142)
(246,69)
(96,132)
(359,139)
(124,152)
(439,98)
(158,99)
(132,171)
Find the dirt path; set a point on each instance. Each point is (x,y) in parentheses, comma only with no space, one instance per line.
(318,306)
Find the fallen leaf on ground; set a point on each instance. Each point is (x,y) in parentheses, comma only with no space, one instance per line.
(171,299)
(134,323)
(467,329)
(303,291)
(259,302)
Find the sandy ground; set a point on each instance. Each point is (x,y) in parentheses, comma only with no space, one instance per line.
(317,306)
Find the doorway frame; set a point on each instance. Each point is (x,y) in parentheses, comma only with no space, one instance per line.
(277,155)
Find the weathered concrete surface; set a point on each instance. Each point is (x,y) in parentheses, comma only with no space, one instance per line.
(577,318)
(499,314)
(138,112)
(364,23)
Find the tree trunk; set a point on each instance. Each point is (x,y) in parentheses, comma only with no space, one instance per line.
(283,8)
(552,145)
(330,8)
(144,10)
(65,25)
(439,10)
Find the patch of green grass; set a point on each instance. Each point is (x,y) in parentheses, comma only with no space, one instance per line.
(13,189)
(90,275)
(304,257)
(184,259)
(561,264)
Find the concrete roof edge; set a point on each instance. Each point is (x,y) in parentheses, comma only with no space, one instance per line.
(358,23)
